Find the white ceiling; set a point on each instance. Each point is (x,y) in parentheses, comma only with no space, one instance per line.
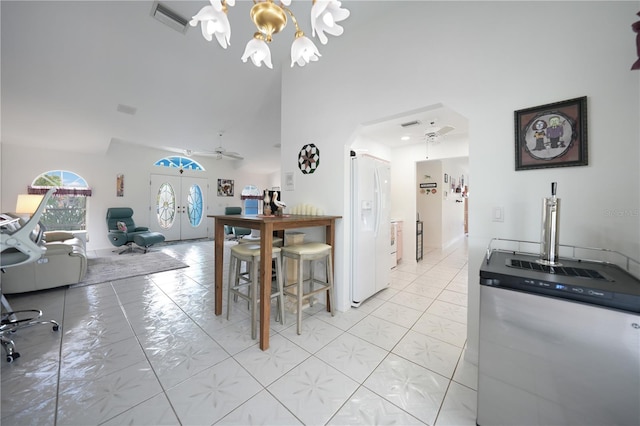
(68,65)
(389,130)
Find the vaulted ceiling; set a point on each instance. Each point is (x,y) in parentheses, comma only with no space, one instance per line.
(77,75)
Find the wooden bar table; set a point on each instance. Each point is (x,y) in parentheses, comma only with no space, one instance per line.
(267,225)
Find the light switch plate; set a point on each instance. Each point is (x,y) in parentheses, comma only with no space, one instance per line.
(498,214)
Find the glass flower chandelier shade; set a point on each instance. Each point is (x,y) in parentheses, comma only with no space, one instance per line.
(324,17)
(258,50)
(271,18)
(303,51)
(213,22)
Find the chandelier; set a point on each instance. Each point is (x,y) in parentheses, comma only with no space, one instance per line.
(271,18)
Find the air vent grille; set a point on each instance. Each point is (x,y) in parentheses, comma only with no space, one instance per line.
(556,270)
(410,123)
(168,17)
(126,109)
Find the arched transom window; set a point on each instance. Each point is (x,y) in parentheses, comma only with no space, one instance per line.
(179,162)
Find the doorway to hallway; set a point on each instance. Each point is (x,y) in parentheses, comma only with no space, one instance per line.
(435,132)
(441,200)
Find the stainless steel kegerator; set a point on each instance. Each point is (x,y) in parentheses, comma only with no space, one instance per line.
(370,227)
(559,343)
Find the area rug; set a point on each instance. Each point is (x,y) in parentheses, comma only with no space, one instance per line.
(111,268)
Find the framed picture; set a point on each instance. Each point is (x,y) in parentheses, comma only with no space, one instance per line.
(289,181)
(225,187)
(552,135)
(120,185)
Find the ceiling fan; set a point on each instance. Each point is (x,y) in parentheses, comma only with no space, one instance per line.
(219,153)
(433,133)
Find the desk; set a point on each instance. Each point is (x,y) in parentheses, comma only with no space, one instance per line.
(267,225)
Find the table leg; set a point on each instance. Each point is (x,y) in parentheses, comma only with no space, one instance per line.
(266,251)
(219,264)
(329,238)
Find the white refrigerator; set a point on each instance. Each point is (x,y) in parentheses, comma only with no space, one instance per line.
(370,227)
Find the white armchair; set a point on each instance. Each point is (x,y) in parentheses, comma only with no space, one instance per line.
(21,244)
(64,262)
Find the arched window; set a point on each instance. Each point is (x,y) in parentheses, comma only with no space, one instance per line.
(195,207)
(67,209)
(179,162)
(251,197)
(166,206)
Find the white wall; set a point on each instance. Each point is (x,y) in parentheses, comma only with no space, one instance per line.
(452,205)
(274,180)
(429,204)
(491,58)
(99,170)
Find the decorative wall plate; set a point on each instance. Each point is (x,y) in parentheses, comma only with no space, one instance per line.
(309,159)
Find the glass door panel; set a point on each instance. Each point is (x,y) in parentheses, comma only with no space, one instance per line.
(178,207)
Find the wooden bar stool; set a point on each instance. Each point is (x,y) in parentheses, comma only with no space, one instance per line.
(250,254)
(311,253)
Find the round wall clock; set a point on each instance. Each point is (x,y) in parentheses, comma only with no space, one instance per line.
(309,158)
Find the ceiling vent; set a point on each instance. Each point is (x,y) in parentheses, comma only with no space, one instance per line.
(168,17)
(410,123)
(126,109)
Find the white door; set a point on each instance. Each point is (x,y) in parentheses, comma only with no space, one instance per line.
(178,207)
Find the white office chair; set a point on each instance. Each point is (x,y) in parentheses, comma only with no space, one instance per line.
(21,243)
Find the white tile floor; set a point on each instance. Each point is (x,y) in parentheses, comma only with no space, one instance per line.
(150,351)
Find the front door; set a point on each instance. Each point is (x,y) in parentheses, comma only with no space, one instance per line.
(178,207)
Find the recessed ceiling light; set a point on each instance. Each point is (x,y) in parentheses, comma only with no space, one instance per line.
(405,138)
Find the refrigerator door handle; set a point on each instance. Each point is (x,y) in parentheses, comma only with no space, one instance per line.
(376,194)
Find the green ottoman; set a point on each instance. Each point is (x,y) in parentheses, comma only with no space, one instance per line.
(147,239)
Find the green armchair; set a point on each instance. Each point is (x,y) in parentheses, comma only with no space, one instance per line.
(235,232)
(124,232)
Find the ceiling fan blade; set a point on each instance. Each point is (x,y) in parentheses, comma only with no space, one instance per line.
(174,150)
(205,153)
(446,129)
(233,155)
(220,151)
